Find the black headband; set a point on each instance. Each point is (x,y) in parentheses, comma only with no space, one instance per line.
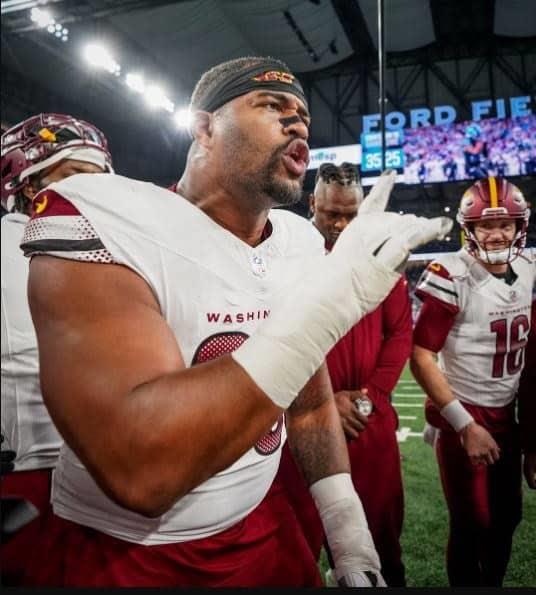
(268,76)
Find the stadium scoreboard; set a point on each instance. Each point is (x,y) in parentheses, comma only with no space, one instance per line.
(371,155)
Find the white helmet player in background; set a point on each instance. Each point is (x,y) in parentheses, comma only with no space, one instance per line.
(488,200)
(36,152)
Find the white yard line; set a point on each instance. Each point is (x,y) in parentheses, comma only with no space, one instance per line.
(407,417)
(408,405)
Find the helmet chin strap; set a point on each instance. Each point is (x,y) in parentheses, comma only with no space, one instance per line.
(503,256)
(495,256)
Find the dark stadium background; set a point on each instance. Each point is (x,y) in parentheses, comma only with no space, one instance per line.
(437,52)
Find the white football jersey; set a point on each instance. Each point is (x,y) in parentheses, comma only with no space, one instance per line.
(26,425)
(213,290)
(483,354)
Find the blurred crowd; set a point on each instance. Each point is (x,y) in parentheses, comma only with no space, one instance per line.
(501,147)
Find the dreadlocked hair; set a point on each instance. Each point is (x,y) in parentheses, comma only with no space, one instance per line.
(345,174)
(213,77)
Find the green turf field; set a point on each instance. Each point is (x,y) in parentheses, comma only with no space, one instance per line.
(425,525)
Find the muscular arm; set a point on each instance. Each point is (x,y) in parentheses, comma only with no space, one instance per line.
(314,430)
(113,378)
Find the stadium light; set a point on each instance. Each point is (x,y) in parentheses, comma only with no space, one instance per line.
(156,98)
(42,18)
(135,82)
(99,57)
(182,117)
(447,209)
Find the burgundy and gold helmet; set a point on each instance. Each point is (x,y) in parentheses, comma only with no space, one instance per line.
(493,198)
(41,141)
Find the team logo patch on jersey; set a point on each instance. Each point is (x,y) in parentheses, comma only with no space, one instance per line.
(40,203)
(438,269)
(258,266)
(54,204)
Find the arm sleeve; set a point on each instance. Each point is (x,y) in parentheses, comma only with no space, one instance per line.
(440,298)
(436,282)
(433,324)
(396,344)
(525,394)
(57,228)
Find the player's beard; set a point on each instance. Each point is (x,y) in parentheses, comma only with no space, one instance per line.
(265,185)
(282,192)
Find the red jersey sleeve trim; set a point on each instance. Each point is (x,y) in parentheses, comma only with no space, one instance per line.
(48,203)
(438,269)
(433,324)
(59,229)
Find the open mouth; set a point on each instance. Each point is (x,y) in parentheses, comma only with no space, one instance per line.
(296,157)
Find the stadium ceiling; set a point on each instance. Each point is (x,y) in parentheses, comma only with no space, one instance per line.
(187,37)
(184,38)
(331,44)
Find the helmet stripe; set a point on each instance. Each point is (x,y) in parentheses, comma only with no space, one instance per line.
(494,201)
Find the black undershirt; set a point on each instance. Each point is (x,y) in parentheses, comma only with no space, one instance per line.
(508,276)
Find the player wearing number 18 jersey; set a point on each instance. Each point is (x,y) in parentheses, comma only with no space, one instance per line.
(476,317)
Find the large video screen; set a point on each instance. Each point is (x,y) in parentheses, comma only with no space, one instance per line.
(467,150)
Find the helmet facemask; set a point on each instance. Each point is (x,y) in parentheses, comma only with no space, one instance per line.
(492,199)
(499,256)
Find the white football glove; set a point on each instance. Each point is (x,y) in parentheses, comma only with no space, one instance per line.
(334,294)
(389,237)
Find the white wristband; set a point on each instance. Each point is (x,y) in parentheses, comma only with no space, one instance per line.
(345,525)
(457,415)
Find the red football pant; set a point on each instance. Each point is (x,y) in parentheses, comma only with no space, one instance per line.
(266,548)
(16,552)
(484,502)
(376,474)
